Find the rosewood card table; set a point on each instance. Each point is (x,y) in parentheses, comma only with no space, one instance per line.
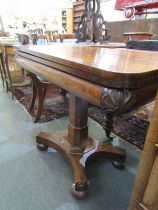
(117,80)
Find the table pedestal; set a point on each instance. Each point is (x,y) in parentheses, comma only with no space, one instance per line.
(78,148)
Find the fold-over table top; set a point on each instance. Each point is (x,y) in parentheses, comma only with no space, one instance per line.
(116,68)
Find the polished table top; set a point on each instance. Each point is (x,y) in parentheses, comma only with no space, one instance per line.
(121,68)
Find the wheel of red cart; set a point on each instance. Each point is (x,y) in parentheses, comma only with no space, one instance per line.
(129,13)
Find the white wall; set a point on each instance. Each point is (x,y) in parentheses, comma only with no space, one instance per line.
(109,12)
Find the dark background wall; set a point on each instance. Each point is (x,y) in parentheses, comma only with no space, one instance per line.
(116,29)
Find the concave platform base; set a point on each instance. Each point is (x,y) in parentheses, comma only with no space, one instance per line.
(92,149)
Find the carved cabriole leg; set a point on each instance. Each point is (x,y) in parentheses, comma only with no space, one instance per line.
(77,147)
(115,101)
(108,123)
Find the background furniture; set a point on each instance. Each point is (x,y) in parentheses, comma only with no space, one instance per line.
(67,37)
(78,8)
(49,35)
(23,39)
(67,23)
(40,87)
(136,36)
(2,67)
(15,77)
(39,39)
(145,191)
(117,28)
(92,27)
(142,44)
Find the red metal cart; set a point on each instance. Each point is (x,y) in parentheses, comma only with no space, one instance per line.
(137,8)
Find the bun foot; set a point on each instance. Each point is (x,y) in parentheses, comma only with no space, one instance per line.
(41,147)
(118,164)
(79,190)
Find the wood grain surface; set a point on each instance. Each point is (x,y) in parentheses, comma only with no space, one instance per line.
(121,68)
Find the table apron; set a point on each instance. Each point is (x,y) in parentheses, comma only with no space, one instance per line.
(79,87)
(111,99)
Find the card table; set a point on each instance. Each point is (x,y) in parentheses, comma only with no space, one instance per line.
(117,80)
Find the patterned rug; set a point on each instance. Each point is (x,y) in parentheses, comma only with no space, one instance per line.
(54,104)
(131,127)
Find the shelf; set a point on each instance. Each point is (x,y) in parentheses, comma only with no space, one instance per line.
(77,14)
(78,3)
(64,13)
(67,19)
(78,8)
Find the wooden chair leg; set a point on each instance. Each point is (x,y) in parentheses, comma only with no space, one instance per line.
(41,97)
(33,96)
(2,70)
(2,76)
(12,90)
(7,86)
(11,87)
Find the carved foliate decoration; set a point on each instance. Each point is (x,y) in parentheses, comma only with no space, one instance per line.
(118,101)
(92,26)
